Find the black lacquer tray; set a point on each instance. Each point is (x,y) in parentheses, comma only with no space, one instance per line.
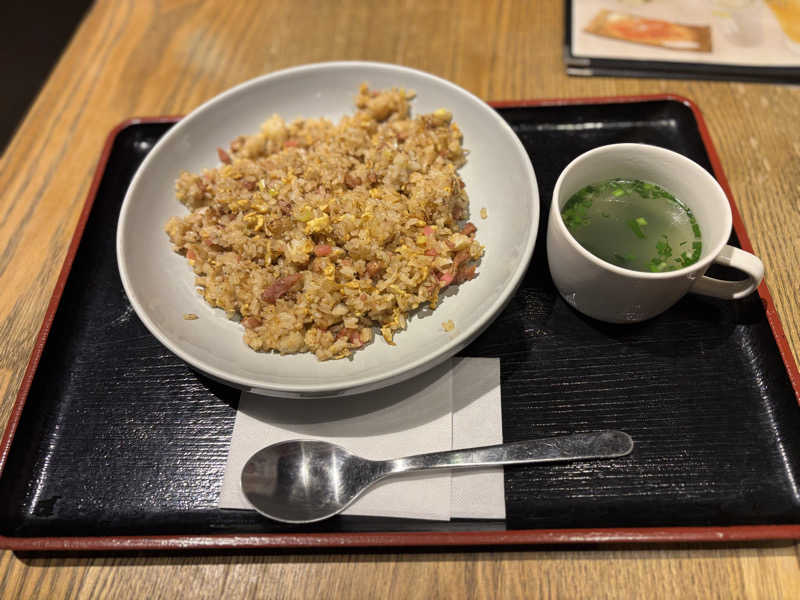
(114,443)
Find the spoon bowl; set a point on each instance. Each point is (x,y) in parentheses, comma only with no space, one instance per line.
(303,481)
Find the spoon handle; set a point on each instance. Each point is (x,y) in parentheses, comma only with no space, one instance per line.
(597,444)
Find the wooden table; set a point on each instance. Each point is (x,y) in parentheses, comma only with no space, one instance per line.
(143,57)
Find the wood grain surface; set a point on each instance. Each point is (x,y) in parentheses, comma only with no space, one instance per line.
(148,57)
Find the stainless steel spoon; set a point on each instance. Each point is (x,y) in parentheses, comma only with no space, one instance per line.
(302,481)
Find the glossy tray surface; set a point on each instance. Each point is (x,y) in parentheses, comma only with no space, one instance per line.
(116,437)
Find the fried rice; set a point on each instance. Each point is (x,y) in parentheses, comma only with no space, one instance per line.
(314,235)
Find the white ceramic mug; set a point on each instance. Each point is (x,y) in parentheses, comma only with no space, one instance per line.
(610,293)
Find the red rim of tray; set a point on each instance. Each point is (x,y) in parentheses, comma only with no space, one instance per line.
(420,539)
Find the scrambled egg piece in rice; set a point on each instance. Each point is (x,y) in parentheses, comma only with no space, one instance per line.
(316,234)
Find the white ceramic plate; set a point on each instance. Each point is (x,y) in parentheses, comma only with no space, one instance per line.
(160,283)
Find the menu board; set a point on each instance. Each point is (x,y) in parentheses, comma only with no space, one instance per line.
(713,39)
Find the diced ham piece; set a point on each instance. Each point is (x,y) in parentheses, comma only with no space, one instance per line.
(427,230)
(469,228)
(280,287)
(251,322)
(223,156)
(431,252)
(290,143)
(446,279)
(322,249)
(352,335)
(352,181)
(465,273)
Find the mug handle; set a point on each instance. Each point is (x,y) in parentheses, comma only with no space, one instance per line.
(743,261)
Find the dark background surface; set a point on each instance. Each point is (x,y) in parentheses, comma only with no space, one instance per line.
(32,37)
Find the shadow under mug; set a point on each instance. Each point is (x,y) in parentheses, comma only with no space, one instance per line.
(614,294)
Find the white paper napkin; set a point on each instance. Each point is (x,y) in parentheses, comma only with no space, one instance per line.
(455,405)
(477,421)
